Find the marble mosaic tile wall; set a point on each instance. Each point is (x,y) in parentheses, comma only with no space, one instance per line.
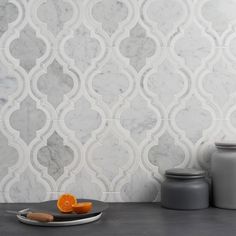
(100,97)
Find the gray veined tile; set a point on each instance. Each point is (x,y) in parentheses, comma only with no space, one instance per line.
(55,156)
(83,120)
(27,48)
(110,83)
(166,154)
(8,85)
(110,13)
(193,119)
(138,47)
(8,14)
(27,188)
(8,157)
(28,119)
(55,14)
(82,48)
(55,84)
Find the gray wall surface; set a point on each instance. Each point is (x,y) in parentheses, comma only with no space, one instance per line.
(100,97)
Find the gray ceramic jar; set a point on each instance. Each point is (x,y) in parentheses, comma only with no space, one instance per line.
(185,189)
(223,171)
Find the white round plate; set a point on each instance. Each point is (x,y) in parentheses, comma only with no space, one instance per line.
(59,223)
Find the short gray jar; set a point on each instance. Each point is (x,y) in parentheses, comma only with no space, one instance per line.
(185,189)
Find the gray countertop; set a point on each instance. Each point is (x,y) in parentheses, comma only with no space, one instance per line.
(132,219)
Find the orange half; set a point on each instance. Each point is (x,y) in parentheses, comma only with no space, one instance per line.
(82,207)
(65,202)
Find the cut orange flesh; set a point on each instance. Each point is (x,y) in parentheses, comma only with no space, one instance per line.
(82,207)
(65,202)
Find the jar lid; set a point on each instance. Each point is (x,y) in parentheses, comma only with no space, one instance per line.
(187,173)
(226,144)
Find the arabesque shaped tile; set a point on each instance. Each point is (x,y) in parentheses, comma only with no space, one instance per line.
(193,47)
(138,47)
(28,119)
(110,13)
(138,119)
(8,85)
(110,156)
(55,156)
(140,188)
(167,15)
(8,14)
(27,188)
(232,47)
(220,82)
(193,119)
(166,83)
(55,14)
(220,13)
(27,48)
(83,120)
(233,119)
(55,83)
(110,83)
(84,186)
(82,48)
(9,156)
(166,154)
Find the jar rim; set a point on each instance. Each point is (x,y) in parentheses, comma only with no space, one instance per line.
(184,177)
(225,144)
(185,173)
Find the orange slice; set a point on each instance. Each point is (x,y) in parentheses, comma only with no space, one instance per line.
(65,202)
(82,207)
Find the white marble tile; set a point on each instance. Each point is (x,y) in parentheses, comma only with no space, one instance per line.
(110,83)
(8,14)
(8,84)
(166,14)
(219,13)
(138,119)
(84,186)
(82,48)
(27,188)
(55,14)
(110,13)
(193,119)
(83,120)
(8,157)
(140,188)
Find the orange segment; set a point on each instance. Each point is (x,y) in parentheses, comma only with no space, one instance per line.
(65,202)
(82,207)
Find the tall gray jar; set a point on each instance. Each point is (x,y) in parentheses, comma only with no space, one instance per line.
(223,170)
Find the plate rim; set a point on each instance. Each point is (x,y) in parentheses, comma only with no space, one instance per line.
(25,220)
